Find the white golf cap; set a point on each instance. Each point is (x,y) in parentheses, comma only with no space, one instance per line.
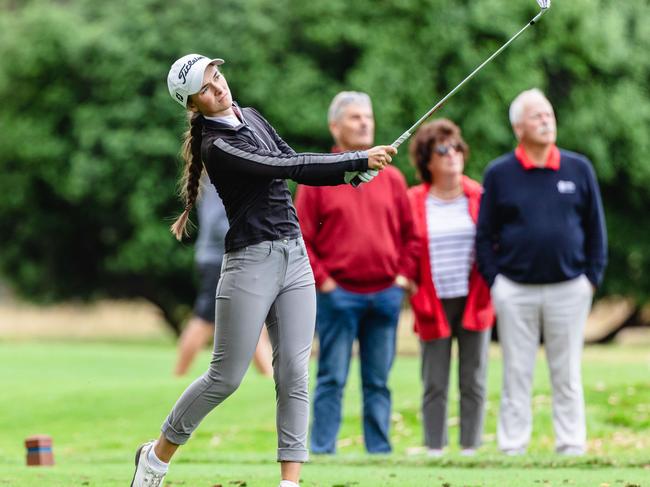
(185,77)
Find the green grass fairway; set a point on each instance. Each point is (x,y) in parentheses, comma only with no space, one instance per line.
(98,401)
(260,474)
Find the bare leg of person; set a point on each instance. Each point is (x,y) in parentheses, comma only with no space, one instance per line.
(262,357)
(290,471)
(164,449)
(196,335)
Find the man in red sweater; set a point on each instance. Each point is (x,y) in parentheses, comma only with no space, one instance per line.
(364,252)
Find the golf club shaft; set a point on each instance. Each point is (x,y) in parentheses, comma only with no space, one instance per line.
(402,138)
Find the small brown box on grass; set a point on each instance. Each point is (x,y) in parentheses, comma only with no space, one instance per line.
(39,450)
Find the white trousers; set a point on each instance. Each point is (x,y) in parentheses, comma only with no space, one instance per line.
(559,311)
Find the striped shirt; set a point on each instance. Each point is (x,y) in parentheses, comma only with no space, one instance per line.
(451,233)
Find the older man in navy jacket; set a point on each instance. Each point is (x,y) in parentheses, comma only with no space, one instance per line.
(541,245)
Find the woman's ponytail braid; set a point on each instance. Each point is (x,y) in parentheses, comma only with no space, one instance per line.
(192,171)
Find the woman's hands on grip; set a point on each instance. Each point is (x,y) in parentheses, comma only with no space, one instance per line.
(380,156)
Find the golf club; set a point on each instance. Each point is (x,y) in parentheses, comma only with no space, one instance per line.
(544,5)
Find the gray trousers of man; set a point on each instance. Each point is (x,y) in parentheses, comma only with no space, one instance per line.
(272,282)
(559,311)
(472,370)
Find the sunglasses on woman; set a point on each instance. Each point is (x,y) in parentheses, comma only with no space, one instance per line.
(443,150)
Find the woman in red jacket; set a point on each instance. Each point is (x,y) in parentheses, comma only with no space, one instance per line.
(452,299)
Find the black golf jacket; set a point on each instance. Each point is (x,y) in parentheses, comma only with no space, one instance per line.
(249,164)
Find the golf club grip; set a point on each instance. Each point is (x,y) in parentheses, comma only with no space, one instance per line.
(402,139)
(357,180)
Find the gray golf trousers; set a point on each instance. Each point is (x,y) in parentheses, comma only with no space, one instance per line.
(271,281)
(472,369)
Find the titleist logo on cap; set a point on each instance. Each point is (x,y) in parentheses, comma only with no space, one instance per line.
(186,68)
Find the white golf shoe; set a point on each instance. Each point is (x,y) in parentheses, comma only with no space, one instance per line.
(435,452)
(144,475)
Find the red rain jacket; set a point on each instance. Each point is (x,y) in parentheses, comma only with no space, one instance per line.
(430,319)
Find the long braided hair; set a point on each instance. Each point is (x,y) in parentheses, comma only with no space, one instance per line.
(189,182)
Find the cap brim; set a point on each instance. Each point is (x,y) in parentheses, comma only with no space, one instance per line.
(196,79)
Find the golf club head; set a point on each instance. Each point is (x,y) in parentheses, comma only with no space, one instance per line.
(544,4)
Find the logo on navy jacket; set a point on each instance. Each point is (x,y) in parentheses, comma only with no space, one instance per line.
(566,187)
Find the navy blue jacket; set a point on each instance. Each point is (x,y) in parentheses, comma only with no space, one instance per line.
(540,226)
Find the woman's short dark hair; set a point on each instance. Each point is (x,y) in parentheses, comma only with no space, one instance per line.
(427,137)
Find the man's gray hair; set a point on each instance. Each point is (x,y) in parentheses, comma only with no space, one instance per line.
(517,105)
(345,98)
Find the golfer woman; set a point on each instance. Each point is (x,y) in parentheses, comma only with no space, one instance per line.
(266,274)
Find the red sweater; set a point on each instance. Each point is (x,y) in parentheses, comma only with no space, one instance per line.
(360,237)
(430,319)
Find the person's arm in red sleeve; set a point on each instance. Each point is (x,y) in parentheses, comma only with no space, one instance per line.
(412,195)
(307,207)
(410,243)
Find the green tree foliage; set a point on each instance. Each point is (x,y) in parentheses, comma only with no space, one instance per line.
(90,139)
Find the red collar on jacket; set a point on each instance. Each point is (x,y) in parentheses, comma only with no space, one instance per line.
(552,161)
(471,189)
